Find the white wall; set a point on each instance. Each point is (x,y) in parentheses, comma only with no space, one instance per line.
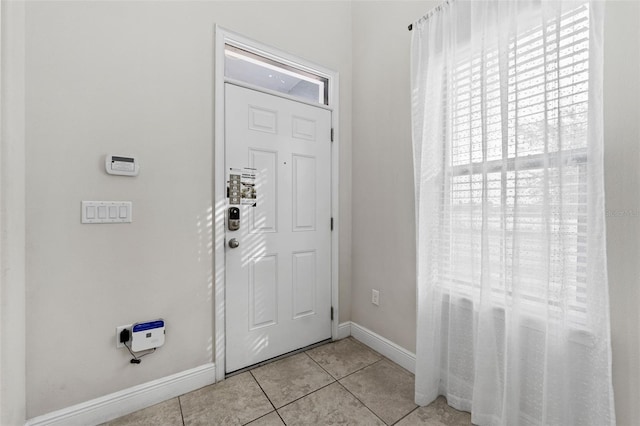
(136,78)
(383,205)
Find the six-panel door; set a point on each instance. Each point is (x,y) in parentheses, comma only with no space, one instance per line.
(278,280)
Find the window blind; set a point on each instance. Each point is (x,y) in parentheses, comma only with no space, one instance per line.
(515,190)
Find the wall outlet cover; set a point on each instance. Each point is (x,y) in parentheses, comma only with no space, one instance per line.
(119,344)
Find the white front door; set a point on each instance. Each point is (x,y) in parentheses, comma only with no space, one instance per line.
(278,278)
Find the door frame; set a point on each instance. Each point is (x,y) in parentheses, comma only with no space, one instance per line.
(222,37)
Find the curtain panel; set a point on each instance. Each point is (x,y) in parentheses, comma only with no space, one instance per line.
(512,292)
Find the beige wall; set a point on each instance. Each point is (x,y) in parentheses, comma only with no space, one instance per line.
(622,186)
(383,205)
(12,215)
(136,78)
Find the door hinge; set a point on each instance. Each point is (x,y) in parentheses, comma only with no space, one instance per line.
(332,313)
(332,224)
(332,134)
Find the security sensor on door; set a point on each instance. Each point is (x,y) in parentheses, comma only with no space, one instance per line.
(121,165)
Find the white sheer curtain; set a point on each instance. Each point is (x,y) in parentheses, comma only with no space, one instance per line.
(513,311)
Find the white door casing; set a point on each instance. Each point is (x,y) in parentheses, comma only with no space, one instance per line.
(278,280)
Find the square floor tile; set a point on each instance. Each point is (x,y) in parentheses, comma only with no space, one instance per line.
(291,378)
(165,413)
(234,401)
(344,357)
(438,413)
(271,419)
(331,405)
(386,388)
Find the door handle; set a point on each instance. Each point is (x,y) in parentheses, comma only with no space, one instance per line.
(234,243)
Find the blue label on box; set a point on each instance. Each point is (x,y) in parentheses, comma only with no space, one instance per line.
(148,325)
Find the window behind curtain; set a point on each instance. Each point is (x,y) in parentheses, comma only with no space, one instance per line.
(507,174)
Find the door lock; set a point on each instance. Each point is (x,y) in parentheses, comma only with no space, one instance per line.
(234,218)
(234,243)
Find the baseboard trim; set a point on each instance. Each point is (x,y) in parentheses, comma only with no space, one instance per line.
(386,347)
(344,330)
(126,401)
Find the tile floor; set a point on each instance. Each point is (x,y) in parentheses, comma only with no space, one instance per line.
(342,382)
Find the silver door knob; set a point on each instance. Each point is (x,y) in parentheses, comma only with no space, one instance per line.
(234,243)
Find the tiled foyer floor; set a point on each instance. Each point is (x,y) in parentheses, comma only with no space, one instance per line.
(343,383)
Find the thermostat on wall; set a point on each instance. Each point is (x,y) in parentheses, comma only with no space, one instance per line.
(121,165)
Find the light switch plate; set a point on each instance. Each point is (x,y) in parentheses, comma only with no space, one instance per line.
(107,211)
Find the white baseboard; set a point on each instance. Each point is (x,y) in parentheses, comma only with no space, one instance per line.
(344,330)
(126,401)
(386,347)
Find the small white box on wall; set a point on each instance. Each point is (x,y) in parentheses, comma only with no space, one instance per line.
(147,335)
(121,165)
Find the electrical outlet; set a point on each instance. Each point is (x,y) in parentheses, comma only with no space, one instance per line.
(118,330)
(375,297)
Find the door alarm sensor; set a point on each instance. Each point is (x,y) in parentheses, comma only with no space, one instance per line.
(121,165)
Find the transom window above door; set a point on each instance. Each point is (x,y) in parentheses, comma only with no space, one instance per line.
(254,69)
